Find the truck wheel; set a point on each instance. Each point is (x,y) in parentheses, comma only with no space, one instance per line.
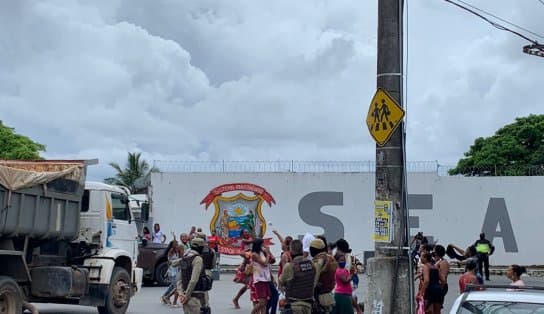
(11,299)
(118,296)
(161,274)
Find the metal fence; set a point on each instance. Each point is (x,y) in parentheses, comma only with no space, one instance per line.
(291,166)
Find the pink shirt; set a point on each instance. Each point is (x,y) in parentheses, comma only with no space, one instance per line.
(342,287)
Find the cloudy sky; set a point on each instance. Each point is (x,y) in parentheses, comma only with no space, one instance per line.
(255,80)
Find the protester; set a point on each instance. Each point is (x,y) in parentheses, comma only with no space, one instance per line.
(465,256)
(173,274)
(514,273)
(306,244)
(192,233)
(246,240)
(147,234)
(443,268)
(352,264)
(343,291)
(261,276)
(272,303)
(430,289)
(213,242)
(243,276)
(469,276)
(185,241)
(158,235)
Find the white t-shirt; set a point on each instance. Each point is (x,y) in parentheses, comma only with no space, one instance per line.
(157,237)
(306,240)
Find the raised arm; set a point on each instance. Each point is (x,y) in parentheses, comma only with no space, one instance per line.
(280,238)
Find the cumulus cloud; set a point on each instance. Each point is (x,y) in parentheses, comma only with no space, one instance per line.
(208,80)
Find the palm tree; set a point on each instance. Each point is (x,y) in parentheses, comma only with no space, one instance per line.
(135,170)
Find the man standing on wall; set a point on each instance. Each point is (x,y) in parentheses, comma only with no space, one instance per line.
(484,248)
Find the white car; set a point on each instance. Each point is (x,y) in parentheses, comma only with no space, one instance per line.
(495,299)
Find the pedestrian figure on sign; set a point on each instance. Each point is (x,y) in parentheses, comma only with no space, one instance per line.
(385,113)
(376,116)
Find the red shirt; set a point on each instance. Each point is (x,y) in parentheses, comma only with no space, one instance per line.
(465,279)
(213,241)
(341,286)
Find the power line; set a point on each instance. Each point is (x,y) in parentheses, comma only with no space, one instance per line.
(494,24)
(501,19)
(541,1)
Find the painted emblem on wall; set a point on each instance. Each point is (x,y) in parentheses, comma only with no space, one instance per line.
(237,217)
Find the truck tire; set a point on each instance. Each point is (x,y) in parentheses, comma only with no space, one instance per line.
(161,274)
(118,297)
(11,299)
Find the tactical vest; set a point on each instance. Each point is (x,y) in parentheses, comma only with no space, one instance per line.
(483,248)
(326,281)
(187,270)
(207,258)
(301,286)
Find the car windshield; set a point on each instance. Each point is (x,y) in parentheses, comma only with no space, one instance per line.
(500,307)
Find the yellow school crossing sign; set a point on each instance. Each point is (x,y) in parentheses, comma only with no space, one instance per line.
(384,116)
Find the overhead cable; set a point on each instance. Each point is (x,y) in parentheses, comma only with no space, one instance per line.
(494,24)
(501,19)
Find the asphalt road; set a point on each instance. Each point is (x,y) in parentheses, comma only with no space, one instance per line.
(148,300)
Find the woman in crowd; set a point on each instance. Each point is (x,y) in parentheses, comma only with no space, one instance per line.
(443,268)
(343,290)
(469,277)
(514,273)
(430,289)
(261,276)
(147,234)
(173,272)
(243,276)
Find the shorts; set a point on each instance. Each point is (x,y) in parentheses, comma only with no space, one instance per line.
(262,290)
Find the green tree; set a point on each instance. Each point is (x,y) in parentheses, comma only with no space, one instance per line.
(135,171)
(516,149)
(16,146)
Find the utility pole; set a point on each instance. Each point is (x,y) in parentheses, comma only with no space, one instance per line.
(389,271)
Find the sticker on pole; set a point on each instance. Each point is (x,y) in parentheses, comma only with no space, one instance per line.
(384,116)
(383,221)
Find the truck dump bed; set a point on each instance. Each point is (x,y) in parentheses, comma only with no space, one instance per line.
(41,199)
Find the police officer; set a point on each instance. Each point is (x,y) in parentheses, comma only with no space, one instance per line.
(297,279)
(325,266)
(192,268)
(484,248)
(209,259)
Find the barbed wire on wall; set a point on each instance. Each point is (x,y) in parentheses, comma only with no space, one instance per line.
(287,166)
(369,166)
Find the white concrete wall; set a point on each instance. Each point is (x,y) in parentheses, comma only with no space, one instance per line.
(459,206)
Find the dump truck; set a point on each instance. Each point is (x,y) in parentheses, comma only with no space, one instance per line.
(64,240)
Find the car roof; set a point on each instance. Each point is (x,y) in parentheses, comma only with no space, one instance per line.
(508,296)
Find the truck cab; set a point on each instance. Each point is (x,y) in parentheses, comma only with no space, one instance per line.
(106,217)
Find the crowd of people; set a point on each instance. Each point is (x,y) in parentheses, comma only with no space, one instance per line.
(433,269)
(313,276)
